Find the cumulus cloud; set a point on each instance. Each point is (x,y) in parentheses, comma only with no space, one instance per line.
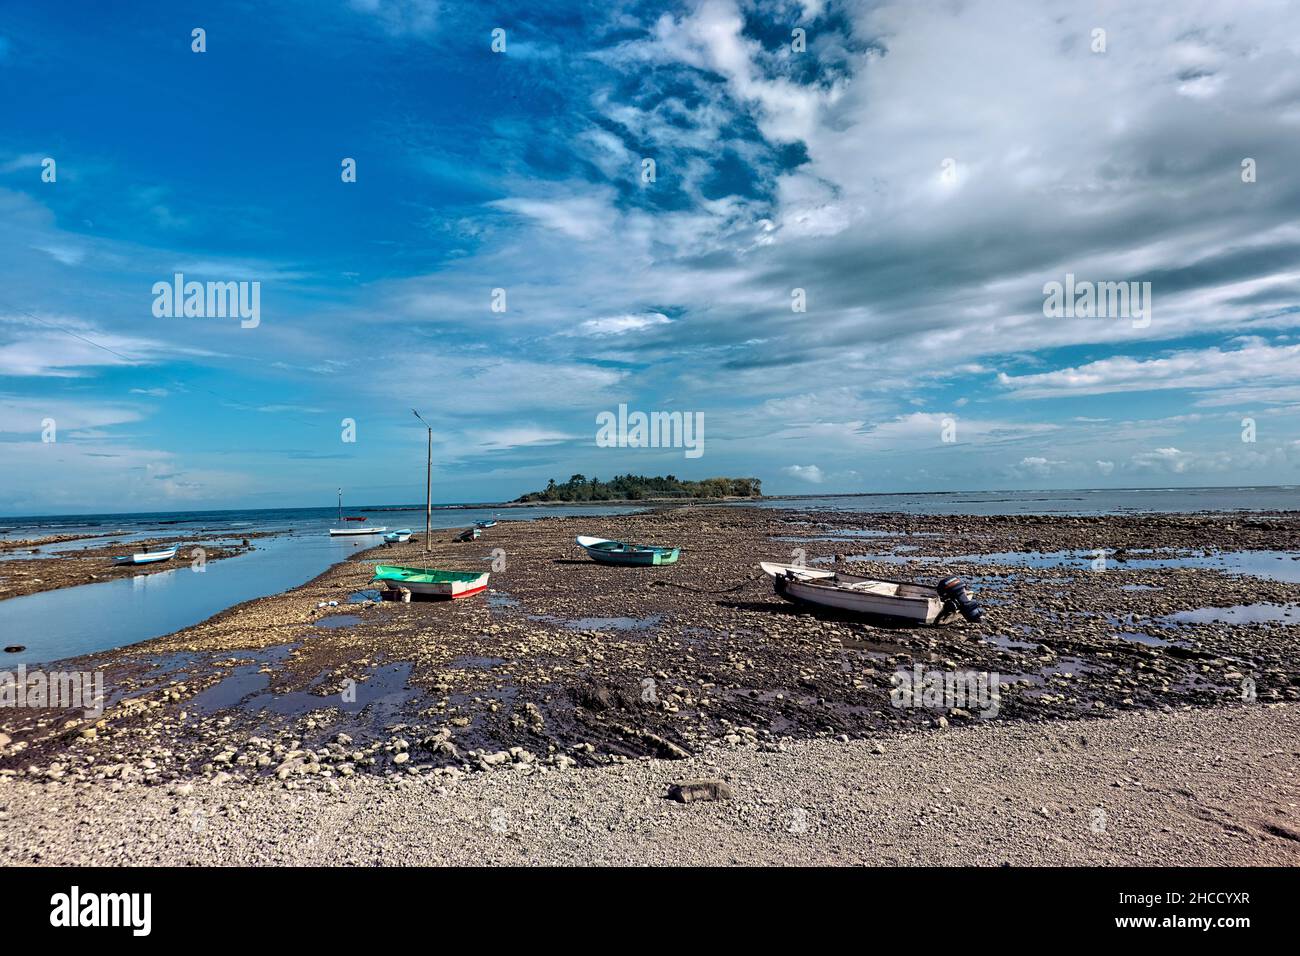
(1034,466)
(809,473)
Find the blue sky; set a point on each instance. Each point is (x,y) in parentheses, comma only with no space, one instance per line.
(776,169)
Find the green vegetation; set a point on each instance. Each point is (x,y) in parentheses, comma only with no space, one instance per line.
(639,487)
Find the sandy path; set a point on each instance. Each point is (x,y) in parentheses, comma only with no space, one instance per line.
(1212,787)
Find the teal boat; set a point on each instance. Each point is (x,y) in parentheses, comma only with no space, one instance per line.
(431,582)
(617,552)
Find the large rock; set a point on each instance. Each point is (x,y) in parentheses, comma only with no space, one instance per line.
(691,791)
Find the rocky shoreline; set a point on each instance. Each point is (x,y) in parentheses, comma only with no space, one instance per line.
(571,663)
(20,576)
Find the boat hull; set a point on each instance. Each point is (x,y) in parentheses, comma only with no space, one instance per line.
(432,583)
(896,601)
(344,532)
(146,557)
(617,552)
(444,592)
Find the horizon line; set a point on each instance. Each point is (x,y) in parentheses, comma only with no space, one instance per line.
(780,497)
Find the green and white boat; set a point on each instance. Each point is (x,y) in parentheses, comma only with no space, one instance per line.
(619,552)
(432,582)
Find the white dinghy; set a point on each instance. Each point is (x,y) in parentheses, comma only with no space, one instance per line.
(900,601)
(146,557)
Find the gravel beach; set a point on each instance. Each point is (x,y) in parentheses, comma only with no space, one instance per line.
(1209,787)
(611,683)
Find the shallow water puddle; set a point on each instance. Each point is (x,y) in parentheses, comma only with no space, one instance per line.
(246,689)
(339,620)
(1239,614)
(1139,637)
(1271,565)
(851,534)
(230,690)
(1008,643)
(240,681)
(386,689)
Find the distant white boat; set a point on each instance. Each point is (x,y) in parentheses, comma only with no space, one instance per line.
(340,532)
(146,557)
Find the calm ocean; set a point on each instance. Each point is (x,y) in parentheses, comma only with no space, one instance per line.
(307,520)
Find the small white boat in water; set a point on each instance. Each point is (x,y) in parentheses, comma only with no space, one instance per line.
(900,601)
(146,557)
(361,529)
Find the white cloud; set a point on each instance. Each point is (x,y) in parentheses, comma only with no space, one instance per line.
(523,436)
(69,255)
(579,217)
(467,386)
(1037,467)
(67,347)
(1173,461)
(808,473)
(20,416)
(1255,363)
(622,324)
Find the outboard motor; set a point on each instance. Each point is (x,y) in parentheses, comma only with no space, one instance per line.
(953,590)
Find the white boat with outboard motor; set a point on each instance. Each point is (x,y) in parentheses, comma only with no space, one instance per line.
(903,601)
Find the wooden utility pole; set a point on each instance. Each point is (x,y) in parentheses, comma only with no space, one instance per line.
(428,484)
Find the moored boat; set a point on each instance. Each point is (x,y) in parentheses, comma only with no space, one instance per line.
(901,601)
(339,532)
(431,582)
(619,552)
(146,557)
(402,534)
(469,534)
(485,524)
